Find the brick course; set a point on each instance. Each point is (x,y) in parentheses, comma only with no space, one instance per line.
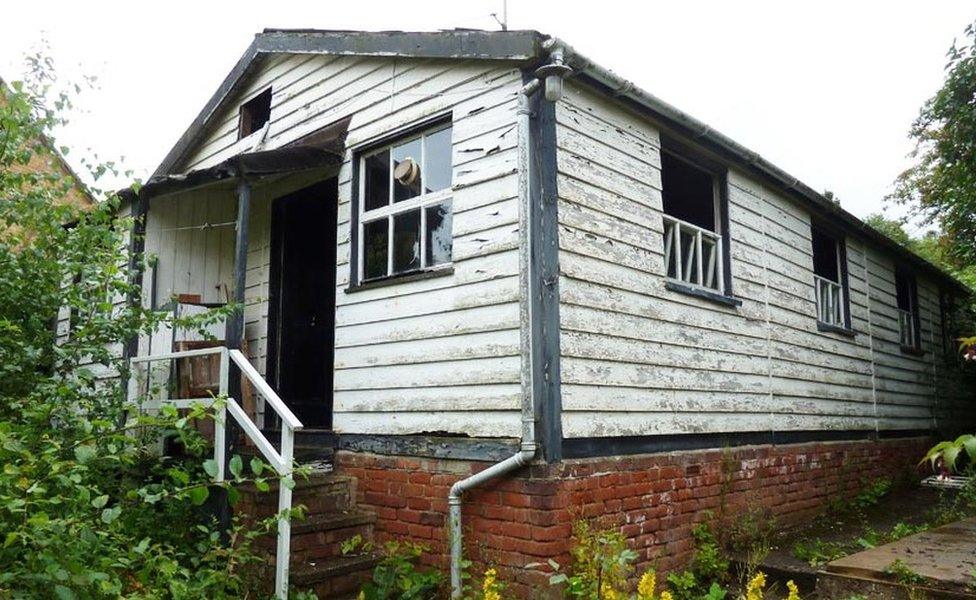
(655,500)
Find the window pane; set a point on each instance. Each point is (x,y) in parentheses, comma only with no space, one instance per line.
(406,171)
(406,241)
(438,173)
(377,174)
(375,236)
(825,255)
(439,235)
(689,192)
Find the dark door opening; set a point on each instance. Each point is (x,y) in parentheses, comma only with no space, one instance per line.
(301,312)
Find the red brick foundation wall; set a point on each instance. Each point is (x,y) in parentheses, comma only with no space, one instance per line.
(654,499)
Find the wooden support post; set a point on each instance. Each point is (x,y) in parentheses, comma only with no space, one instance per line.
(235,332)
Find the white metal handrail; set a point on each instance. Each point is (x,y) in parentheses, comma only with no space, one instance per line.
(281,460)
(692,254)
(830,301)
(906,328)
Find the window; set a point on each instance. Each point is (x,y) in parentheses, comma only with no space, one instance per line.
(405,206)
(829,282)
(254,114)
(947,319)
(906,292)
(693,238)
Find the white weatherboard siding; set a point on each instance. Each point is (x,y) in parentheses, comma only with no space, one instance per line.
(435,355)
(638,359)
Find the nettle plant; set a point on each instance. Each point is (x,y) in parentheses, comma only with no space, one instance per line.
(88,506)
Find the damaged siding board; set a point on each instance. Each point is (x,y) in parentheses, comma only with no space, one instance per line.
(638,359)
(439,354)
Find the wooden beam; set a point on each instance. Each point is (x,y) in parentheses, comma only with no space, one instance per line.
(235,323)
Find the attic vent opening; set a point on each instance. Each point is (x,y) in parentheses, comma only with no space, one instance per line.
(254,114)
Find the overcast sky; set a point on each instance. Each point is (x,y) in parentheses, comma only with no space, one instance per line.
(826,90)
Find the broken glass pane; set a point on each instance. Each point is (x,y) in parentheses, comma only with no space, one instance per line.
(439,234)
(377,174)
(375,248)
(406,241)
(438,168)
(406,171)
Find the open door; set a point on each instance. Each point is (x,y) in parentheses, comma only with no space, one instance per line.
(301,311)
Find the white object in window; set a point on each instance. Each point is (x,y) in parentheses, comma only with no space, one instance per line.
(405,206)
(830,301)
(906,328)
(692,254)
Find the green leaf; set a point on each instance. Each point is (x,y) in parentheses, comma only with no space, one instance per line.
(84,454)
(100,501)
(111,514)
(257,467)
(233,495)
(262,485)
(949,456)
(969,443)
(10,539)
(199,495)
(210,466)
(64,593)
(288,482)
(236,466)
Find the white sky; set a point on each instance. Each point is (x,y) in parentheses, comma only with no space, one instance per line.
(825,90)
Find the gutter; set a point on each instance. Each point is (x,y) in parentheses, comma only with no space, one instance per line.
(552,75)
(697,130)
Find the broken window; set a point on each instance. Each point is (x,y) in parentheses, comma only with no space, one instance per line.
(255,113)
(906,293)
(405,209)
(693,245)
(828,280)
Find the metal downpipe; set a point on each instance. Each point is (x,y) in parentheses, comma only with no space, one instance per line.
(528,449)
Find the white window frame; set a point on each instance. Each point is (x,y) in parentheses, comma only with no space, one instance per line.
(392,209)
(717,234)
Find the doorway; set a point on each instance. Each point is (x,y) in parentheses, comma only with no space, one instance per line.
(301,310)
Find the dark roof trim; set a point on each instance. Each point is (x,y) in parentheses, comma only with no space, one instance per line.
(289,159)
(698,132)
(518,46)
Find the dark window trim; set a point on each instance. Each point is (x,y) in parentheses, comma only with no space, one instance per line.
(421,275)
(915,349)
(704,294)
(357,154)
(845,284)
(827,327)
(683,151)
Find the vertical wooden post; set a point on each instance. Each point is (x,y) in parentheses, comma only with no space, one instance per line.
(235,330)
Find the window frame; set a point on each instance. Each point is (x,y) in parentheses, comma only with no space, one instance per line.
(360,217)
(840,241)
(246,109)
(720,202)
(912,280)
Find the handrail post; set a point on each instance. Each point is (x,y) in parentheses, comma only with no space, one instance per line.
(283,556)
(220,418)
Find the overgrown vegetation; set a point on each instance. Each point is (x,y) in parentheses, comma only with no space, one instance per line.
(397,575)
(88,507)
(602,569)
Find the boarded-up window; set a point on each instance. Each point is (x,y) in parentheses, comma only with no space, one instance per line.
(405,205)
(906,292)
(255,113)
(828,278)
(693,244)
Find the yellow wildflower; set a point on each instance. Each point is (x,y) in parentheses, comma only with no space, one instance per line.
(361,596)
(666,595)
(754,591)
(646,585)
(490,585)
(794,590)
(607,592)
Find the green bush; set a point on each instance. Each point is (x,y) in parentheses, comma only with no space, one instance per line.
(88,507)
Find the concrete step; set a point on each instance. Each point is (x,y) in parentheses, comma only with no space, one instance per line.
(339,577)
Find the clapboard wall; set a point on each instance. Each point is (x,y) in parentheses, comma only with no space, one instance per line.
(638,359)
(436,355)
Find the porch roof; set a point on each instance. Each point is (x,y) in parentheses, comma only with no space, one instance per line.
(249,165)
